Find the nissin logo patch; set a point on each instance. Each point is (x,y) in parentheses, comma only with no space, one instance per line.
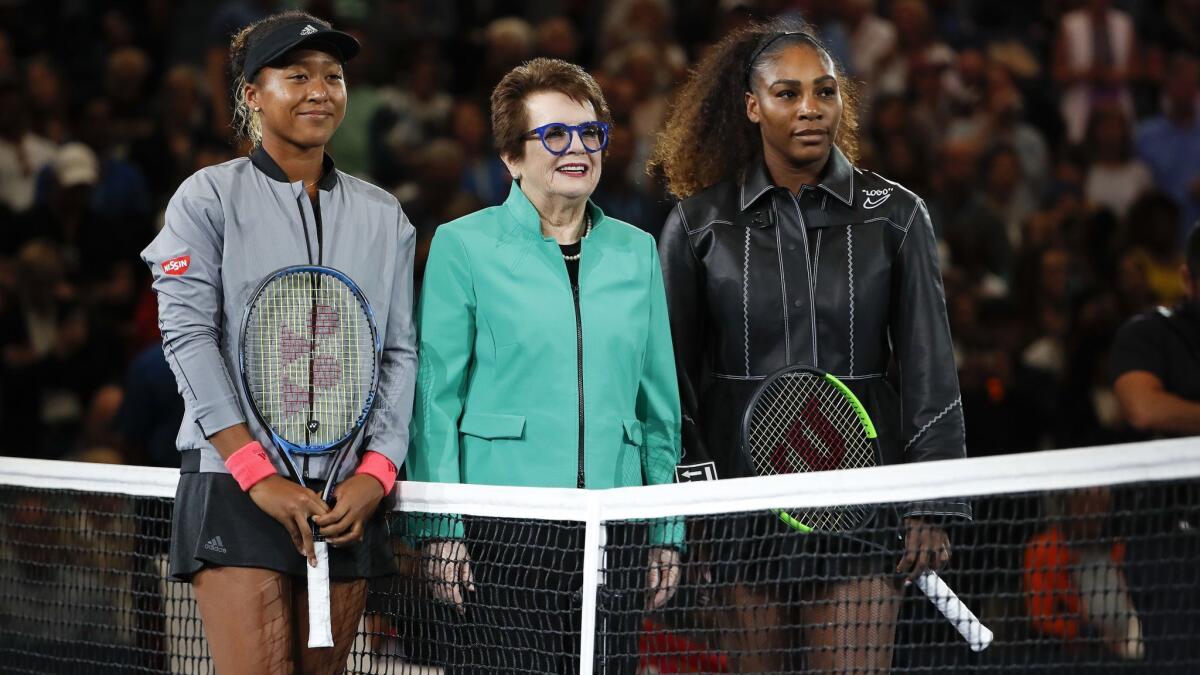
(177,266)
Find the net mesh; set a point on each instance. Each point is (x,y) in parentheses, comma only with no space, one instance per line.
(1092,573)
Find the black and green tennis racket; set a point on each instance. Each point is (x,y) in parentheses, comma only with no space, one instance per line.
(802,420)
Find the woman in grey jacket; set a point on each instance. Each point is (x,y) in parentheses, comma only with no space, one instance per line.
(238,523)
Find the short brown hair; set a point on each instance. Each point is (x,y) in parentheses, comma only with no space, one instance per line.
(510,118)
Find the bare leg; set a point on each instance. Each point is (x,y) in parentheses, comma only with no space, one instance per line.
(247,619)
(757,634)
(348,599)
(850,625)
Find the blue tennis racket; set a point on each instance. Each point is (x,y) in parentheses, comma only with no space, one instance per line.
(310,355)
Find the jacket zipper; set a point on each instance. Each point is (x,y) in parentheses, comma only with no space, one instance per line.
(581,483)
(810,268)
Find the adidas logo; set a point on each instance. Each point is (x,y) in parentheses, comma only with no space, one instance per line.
(308,30)
(216,545)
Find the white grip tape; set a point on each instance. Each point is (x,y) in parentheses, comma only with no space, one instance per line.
(320,628)
(940,594)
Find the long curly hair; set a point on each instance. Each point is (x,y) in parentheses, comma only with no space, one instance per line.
(708,137)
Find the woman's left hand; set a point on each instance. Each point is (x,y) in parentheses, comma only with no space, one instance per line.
(926,547)
(355,499)
(663,576)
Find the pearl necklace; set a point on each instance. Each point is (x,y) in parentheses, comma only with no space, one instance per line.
(587,231)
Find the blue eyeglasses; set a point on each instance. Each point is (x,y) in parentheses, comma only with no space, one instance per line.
(556,136)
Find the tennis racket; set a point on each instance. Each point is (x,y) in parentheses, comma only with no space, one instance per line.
(310,354)
(803,419)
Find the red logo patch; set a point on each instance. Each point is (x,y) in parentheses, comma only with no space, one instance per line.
(178,265)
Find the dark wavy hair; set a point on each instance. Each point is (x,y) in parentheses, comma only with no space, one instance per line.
(708,137)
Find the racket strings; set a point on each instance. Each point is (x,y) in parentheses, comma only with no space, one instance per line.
(310,355)
(802,424)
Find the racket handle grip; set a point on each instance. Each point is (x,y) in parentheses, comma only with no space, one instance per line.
(960,616)
(320,628)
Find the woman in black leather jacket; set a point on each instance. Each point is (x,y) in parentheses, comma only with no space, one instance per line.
(783,252)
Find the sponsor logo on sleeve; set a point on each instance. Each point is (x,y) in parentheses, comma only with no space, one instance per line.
(177,266)
(690,473)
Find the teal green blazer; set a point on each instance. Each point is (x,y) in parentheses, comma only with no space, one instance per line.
(497,399)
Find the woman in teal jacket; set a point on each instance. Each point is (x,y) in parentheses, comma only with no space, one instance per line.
(546,360)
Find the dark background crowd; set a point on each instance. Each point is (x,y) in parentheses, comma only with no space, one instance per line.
(1056,143)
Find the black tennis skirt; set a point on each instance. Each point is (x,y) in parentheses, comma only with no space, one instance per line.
(215,524)
(758,548)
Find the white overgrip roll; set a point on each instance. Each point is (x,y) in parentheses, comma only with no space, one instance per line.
(964,620)
(320,628)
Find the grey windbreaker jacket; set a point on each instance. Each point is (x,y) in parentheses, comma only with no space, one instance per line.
(227,228)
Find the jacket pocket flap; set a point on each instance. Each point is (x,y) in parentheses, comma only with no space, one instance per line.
(633,431)
(492,425)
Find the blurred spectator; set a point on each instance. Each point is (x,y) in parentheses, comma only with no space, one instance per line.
(50,362)
(485,177)
(916,46)
(1114,177)
(508,42)
(167,154)
(8,65)
(1005,190)
(1074,580)
(121,193)
(557,39)
(22,155)
(436,196)
(410,115)
(975,233)
(627,22)
(1094,60)
(642,64)
(1155,366)
(621,198)
(1170,143)
(871,38)
(1150,242)
(48,105)
(151,411)
(125,91)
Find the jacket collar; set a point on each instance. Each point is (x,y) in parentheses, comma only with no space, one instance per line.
(526,215)
(266,164)
(837,179)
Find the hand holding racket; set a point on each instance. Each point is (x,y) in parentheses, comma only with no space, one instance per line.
(802,419)
(310,357)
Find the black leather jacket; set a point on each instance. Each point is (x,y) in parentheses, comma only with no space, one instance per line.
(839,277)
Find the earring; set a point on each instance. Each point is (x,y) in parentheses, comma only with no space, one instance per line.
(257,109)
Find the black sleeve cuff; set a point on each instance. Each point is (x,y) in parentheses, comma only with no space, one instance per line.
(939,511)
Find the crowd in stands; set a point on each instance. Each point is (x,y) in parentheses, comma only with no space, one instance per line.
(1057,146)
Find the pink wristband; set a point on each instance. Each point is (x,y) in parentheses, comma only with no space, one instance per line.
(249,465)
(380,468)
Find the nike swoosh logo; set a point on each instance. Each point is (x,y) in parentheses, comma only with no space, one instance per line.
(868,204)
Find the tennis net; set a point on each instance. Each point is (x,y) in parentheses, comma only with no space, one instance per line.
(1082,560)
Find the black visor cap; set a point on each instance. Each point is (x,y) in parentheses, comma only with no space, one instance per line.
(297,35)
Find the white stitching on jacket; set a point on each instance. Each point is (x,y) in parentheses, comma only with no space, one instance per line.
(746,301)
(922,430)
(850,274)
(787,331)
